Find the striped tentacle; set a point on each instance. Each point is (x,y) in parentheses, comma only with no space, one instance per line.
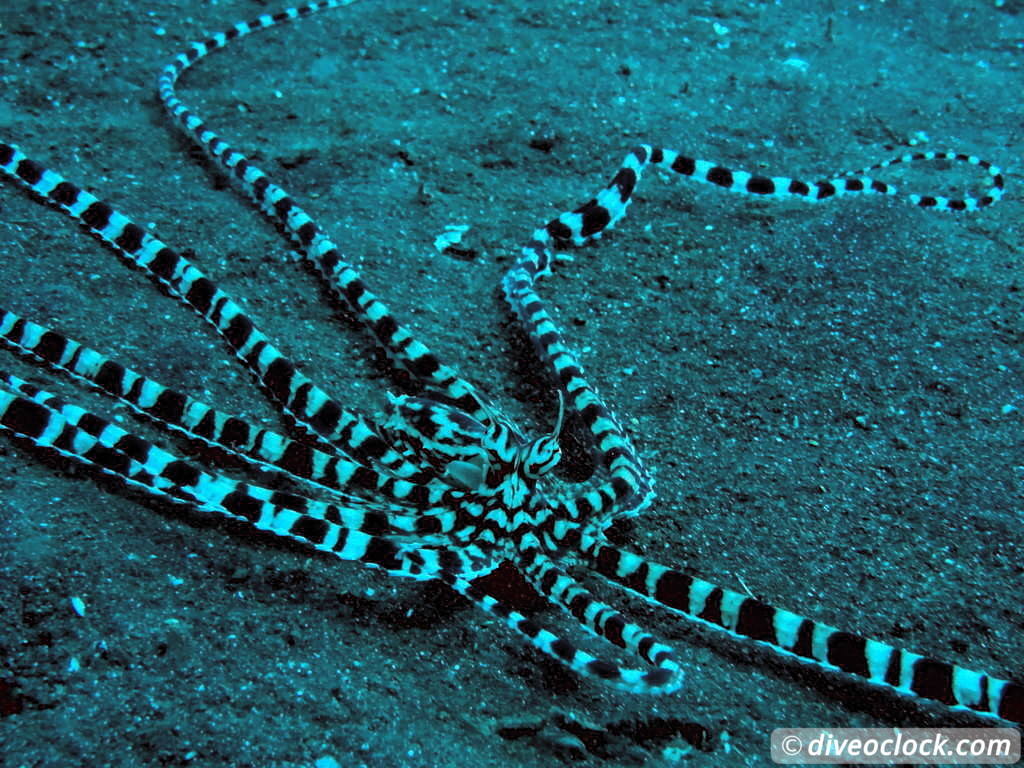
(348,533)
(662,679)
(76,433)
(434,526)
(809,640)
(939,203)
(159,473)
(601,213)
(596,616)
(628,489)
(314,245)
(299,397)
(47,429)
(198,421)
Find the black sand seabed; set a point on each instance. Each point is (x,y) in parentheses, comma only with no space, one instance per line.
(830,396)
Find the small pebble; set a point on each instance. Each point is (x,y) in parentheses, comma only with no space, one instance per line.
(78,605)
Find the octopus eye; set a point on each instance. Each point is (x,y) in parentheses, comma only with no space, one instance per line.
(541,456)
(544,453)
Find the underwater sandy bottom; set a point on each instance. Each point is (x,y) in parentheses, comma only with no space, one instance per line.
(829,396)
